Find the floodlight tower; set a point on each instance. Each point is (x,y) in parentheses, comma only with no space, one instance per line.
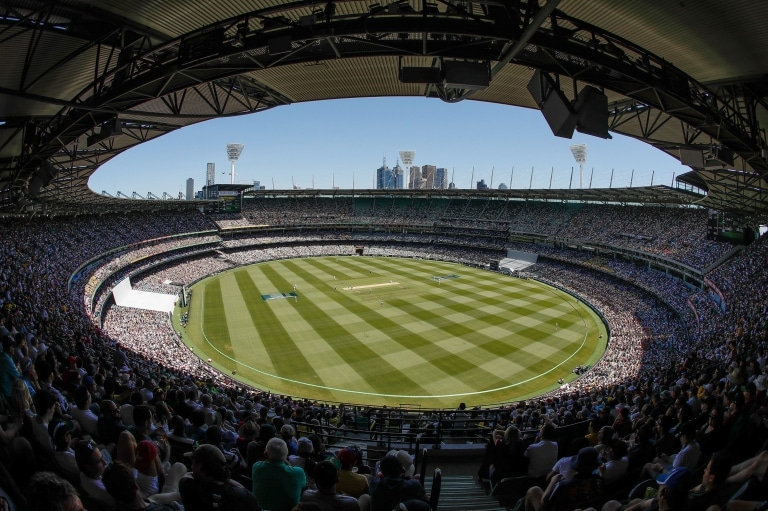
(233,153)
(579,152)
(407,158)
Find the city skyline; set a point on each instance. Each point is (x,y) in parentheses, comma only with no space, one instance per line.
(341,143)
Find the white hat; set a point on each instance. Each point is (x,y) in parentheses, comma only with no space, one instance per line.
(405,460)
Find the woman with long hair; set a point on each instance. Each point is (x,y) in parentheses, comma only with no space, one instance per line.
(509,459)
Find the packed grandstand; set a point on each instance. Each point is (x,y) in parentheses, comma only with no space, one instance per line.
(687,315)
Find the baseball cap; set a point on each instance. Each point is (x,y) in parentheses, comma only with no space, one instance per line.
(58,428)
(83,451)
(348,458)
(678,483)
(406,461)
(146,452)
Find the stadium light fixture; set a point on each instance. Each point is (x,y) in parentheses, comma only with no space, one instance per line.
(579,152)
(233,153)
(407,158)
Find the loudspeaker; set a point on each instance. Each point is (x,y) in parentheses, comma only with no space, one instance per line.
(692,157)
(539,87)
(42,178)
(420,75)
(555,107)
(47,172)
(467,75)
(111,129)
(559,114)
(592,111)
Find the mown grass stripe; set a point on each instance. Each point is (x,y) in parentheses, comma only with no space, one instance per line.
(453,363)
(215,317)
(332,270)
(346,344)
(432,352)
(284,355)
(512,320)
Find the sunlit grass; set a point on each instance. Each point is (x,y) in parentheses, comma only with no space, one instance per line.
(384,331)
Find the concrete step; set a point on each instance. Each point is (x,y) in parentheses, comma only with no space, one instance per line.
(463,493)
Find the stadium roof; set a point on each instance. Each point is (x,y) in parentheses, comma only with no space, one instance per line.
(83,81)
(645,195)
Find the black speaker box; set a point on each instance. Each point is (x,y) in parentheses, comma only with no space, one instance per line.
(555,107)
(420,75)
(592,111)
(692,157)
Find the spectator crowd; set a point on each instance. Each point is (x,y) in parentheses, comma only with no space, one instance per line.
(105,404)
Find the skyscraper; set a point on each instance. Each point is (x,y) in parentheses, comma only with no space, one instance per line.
(414,178)
(387,178)
(190,188)
(441,178)
(428,175)
(210,175)
(399,176)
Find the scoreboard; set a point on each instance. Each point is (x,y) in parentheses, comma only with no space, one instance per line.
(228,197)
(230,202)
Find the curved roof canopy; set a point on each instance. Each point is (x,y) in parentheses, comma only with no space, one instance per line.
(84,80)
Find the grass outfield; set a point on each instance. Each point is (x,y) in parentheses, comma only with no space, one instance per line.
(384,331)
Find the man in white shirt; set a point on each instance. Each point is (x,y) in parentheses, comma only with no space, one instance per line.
(542,455)
(82,413)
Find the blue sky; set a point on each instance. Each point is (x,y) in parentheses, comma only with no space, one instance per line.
(339,141)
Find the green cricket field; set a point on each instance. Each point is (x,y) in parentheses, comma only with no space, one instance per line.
(389,331)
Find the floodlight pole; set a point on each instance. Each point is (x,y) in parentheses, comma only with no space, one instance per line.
(233,153)
(407,158)
(579,152)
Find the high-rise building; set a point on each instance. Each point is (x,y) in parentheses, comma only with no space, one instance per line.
(384,177)
(441,178)
(414,178)
(399,176)
(190,188)
(428,175)
(482,185)
(387,178)
(210,175)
